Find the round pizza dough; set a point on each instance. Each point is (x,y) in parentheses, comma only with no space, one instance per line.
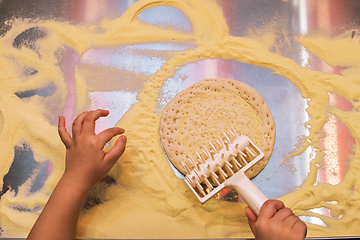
(201,113)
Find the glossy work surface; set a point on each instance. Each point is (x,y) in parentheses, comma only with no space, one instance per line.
(129,66)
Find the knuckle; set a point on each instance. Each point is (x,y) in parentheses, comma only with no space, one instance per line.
(268,202)
(88,117)
(92,142)
(288,211)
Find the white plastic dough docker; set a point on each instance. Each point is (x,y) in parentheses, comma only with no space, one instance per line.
(224,166)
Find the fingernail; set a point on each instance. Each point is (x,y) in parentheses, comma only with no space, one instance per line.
(123,138)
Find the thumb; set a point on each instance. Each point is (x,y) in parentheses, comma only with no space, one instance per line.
(117,150)
(252,218)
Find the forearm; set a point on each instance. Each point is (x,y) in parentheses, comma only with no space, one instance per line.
(58,219)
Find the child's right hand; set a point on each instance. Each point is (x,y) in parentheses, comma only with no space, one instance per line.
(277,222)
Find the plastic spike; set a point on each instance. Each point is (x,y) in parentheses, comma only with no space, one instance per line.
(233,134)
(192,162)
(228,163)
(242,153)
(213,147)
(216,181)
(243,158)
(200,188)
(221,145)
(222,173)
(189,181)
(208,184)
(193,179)
(198,167)
(229,166)
(208,168)
(227,137)
(226,145)
(201,159)
(214,174)
(233,129)
(250,152)
(185,167)
(214,177)
(221,142)
(207,153)
(236,162)
(212,155)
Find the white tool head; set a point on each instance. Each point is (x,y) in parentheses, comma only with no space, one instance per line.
(231,154)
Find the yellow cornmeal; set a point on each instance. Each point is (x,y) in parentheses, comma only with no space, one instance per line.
(150,201)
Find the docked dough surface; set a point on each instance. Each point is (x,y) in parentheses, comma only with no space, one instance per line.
(201,113)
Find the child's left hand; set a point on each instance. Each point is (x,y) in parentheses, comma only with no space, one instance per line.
(86,161)
(86,164)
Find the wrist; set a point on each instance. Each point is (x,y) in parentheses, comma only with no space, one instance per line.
(75,183)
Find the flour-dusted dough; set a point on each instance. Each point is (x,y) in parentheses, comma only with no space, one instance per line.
(201,113)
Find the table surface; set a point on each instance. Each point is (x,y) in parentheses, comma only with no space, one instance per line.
(283,98)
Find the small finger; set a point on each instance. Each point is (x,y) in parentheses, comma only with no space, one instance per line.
(250,214)
(252,218)
(116,151)
(300,227)
(106,135)
(64,135)
(78,122)
(90,118)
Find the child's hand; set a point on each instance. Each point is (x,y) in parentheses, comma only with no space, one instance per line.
(86,162)
(275,221)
